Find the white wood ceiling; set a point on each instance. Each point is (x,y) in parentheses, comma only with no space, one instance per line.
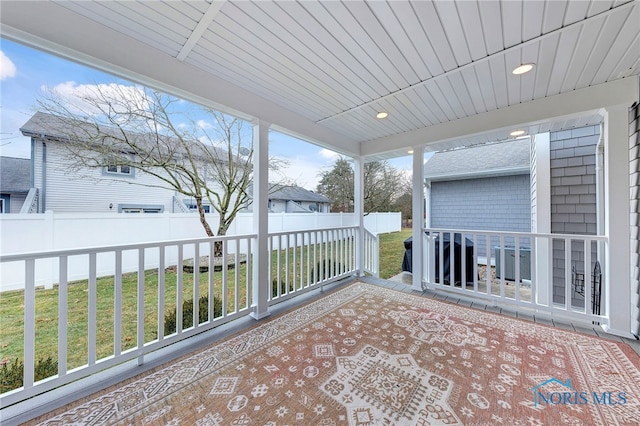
(337,63)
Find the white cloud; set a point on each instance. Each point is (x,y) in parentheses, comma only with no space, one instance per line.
(203,124)
(7,67)
(87,99)
(327,153)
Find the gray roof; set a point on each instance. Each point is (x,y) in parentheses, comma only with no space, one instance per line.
(294,193)
(15,174)
(494,159)
(52,127)
(297,193)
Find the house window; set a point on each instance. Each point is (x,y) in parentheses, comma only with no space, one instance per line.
(140,208)
(113,168)
(4,204)
(194,207)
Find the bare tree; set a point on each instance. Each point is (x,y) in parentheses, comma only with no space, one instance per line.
(130,126)
(383,184)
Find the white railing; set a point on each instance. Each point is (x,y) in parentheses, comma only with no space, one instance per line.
(302,260)
(371,253)
(550,273)
(121,312)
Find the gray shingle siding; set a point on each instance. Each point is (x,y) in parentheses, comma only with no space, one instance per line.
(494,203)
(573,199)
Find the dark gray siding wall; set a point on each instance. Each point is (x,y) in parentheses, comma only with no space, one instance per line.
(493,203)
(634,173)
(573,200)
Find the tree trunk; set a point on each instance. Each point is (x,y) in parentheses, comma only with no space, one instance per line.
(203,219)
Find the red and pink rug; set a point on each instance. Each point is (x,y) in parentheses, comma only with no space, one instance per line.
(366,355)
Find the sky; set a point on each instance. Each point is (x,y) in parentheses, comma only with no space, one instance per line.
(25,72)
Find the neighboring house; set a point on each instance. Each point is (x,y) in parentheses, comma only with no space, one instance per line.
(294,199)
(485,187)
(116,188)
(15,183)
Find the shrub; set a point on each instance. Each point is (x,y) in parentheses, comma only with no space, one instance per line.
(283,287)
(187,313)
(11,373)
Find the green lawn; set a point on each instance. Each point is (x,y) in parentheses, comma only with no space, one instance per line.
(12,305)
(391,252)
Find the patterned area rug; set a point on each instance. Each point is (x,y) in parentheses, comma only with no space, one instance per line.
(366,355)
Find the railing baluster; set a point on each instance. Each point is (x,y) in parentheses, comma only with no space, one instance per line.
(488,274)
(534,271)
(236,270)
(29,322)
(475,262)
(567,274)
(211,281)
(517,267)
(140,337)
(63,306)
(588,278)
(179,284)
(225,284)
(286,265)
(196,285)
(463,262)
(502,266)
(117,305)
(92,310)
(161,291)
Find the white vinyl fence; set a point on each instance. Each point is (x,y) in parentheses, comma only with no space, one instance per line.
(26,233)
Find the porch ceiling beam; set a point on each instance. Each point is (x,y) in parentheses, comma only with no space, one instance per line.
(581,101)
(51,27)
(200,28)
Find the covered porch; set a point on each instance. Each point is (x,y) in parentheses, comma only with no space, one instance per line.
(441,90)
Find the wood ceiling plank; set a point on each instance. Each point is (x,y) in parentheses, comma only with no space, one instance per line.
(512,60)
(473,30)
(462,93)
(532,17)
(544,65)
(353,28)
(399,115)
(450,96)
(370,23)
(602,46)
(140,14)
(599,6)
(99,12)
(576,11)
(395,29)
(621,46)
(432,26)
(553,15)
(450,19)
(295,22)
(562,61)
(245,79)
(423,93)
(499,80)
(630,62)
(260,34)
(180,12)
(588,35)
(528,55)
(349,45)
(491,15)
(405,14)
(260,70)
(512,22)
(473,86)
(440,100)
(485,84)
(418,107)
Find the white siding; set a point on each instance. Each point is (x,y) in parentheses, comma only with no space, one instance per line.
(89,190)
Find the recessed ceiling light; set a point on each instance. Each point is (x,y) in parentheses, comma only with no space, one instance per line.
(517,133)
(524,68)
(410,151)
(382,115)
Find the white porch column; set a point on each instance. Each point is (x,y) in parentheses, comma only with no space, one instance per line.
(358,211)
(418,218)
(617,269)
(260,280)
(541,214)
